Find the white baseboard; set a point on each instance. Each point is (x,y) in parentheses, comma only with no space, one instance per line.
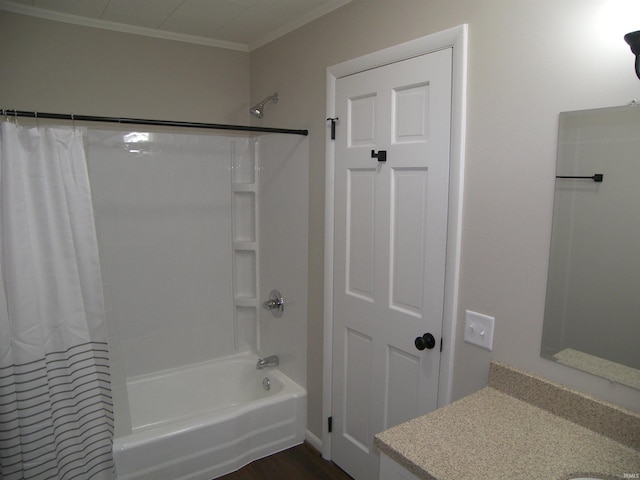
(314,441)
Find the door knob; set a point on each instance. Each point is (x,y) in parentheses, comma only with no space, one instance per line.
(425,341)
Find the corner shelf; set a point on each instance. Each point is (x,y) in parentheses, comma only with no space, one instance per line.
(245,241)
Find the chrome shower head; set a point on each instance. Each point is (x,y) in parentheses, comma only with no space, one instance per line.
(258,109)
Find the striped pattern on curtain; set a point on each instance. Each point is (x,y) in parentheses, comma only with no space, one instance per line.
(52,416)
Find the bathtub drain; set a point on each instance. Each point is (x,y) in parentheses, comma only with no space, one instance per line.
(266,383)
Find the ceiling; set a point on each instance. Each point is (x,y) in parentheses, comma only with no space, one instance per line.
(236,24)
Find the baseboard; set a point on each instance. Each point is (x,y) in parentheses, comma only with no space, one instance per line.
(314,441)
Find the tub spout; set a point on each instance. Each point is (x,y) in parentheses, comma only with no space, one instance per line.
(270,361)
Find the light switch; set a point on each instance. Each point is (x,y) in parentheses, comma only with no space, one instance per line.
(478,329)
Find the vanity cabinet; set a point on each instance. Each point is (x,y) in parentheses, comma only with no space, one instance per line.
(390,470)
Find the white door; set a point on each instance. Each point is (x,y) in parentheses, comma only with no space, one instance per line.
(390,248)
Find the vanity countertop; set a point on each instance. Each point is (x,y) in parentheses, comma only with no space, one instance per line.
(519,427)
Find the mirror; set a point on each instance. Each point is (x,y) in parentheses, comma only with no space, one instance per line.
(592,312)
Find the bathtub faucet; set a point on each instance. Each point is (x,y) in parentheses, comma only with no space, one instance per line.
(270,361)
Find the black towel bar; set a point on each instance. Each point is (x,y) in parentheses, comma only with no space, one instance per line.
(596,178)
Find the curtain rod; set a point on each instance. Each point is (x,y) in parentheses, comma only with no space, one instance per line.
(140,121)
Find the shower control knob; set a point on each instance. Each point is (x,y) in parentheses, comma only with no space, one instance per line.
(425,341)
(275,304)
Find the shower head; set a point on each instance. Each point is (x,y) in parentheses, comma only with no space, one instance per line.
(258,109)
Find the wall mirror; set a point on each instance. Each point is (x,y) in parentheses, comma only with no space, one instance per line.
(592,312)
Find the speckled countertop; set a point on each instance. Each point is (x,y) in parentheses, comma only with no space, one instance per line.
(519,427)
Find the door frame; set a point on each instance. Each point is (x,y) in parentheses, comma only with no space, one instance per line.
(456,39)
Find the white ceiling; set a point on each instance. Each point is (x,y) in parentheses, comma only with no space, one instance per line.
(236,24)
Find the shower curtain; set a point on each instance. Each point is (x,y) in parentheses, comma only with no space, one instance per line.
(56,413)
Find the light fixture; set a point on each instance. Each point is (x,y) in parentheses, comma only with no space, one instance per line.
(633,39)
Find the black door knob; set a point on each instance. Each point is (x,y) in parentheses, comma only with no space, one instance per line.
(425,341)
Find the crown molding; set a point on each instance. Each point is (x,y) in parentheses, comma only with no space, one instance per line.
(118,27)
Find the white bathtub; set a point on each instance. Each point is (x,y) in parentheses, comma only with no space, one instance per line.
(206,420)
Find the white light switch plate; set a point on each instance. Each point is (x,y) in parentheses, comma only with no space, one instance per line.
(478,329)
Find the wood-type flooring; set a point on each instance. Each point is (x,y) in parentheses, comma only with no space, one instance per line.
(298,463)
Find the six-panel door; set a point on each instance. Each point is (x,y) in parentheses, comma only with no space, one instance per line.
(390,250)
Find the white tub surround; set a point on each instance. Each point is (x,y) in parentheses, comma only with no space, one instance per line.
(194,231)
(206,420)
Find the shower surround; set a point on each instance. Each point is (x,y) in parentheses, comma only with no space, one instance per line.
(194,232)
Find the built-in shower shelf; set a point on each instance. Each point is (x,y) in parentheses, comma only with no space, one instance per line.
(246,301)
(244,187)
(244,208)
(245,245)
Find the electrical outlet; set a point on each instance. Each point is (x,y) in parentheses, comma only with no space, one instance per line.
(478,329)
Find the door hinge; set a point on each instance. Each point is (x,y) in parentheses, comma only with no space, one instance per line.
(333,126)
(330,424)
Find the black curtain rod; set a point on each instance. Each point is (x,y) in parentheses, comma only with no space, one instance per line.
(140,121)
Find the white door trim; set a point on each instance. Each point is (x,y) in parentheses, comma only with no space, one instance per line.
(455,38)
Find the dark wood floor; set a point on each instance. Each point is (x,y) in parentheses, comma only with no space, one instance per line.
(298,463)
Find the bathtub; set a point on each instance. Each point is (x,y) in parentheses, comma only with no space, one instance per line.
(203,421)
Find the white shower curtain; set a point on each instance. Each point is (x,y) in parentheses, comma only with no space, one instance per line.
(56,413)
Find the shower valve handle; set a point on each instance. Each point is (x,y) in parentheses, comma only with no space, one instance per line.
(275,304)
(271,304)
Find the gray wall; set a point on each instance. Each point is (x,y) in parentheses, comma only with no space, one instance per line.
(59,67)
(528,61)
